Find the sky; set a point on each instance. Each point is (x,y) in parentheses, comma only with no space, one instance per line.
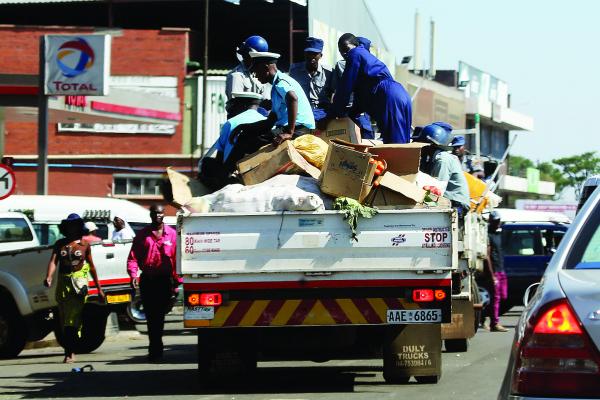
(548,52)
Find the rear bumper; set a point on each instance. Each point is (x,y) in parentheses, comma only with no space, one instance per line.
(315,307)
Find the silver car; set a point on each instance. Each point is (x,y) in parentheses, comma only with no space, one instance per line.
(555,349)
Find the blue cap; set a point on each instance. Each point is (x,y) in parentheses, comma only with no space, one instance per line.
(365,42)
(458,141)
(314,45)
(72,217)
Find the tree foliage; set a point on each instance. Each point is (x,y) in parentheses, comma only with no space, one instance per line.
(548,172)
(576,169)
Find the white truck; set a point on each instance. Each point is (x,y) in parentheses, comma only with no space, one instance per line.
(293,285)
(28,308)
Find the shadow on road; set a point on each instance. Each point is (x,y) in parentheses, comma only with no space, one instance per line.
(178,382)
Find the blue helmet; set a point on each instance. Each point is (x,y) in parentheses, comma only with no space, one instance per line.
(254,43)
(438,134)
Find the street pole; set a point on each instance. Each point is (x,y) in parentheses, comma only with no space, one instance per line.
(2,113)
(204,80)
(42,164)
(477,138)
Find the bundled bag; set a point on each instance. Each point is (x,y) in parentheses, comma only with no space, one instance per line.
(312,148)
(80,284)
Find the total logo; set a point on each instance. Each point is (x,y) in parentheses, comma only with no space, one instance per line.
(75,57)
(398,239)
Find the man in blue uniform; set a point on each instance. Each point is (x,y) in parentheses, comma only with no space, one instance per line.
(243,109)
(290,116)
(437,162)
(375,92)
(314,77)
(361,119)
(469,163)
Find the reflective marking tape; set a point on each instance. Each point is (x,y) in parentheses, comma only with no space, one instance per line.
(254,312)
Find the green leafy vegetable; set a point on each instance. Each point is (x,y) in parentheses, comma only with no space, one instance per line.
(353,209)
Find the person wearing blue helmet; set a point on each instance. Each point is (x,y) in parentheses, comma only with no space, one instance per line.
(375,92)
(314,77)
(240,79)
(362,119)
(437,162)
(469,163)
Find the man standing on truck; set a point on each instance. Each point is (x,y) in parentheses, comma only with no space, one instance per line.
(240,79)
(362,120)
(314,77)
(290,116)
(468,162)
(375,92)
(495,262)
(154,252)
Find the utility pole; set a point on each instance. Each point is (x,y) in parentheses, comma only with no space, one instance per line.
(204,80)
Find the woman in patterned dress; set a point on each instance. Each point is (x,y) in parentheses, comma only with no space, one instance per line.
(72,255)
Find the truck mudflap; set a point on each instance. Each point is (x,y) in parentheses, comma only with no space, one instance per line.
(317,306)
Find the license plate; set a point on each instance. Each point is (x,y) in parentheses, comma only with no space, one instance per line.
(413,316)
(118,298)
(199,312)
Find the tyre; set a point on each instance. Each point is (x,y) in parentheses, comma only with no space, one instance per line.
(13,333)
(456,345)
(135,310)
(92,331)
(428,379)
(396,380)
(476,300)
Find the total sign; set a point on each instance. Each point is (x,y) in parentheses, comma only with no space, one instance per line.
(77,65)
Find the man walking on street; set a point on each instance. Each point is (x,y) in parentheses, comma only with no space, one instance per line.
(154,252)
(495,261)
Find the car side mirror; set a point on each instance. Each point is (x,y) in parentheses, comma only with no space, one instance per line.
(530,293)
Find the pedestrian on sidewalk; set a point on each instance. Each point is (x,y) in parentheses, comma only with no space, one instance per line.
(154,252)
(495,262)
(72,255)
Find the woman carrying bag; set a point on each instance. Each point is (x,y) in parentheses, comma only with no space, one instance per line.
(72,255)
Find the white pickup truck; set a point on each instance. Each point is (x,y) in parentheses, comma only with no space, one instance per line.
(26,305)
(294,285)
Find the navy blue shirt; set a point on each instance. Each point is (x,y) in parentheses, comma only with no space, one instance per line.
(496,253)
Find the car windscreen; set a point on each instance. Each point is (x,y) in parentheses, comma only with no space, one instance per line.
(14,230)
(585,253)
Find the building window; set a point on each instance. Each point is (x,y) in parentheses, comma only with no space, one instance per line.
(136,185)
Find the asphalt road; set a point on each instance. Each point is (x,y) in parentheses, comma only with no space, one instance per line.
(121,371)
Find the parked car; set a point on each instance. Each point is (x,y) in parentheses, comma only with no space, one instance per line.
(555,349)
(588,188)
(529,239)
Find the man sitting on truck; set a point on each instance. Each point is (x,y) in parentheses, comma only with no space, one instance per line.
(243,110)
(437,162)
(290,116)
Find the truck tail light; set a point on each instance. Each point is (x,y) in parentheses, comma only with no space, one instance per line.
(210,299)
(440,295)
(194,299)
(423,295)
(555,356)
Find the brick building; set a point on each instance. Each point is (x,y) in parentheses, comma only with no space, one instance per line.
(105,159)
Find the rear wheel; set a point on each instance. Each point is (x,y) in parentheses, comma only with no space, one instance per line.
(456,345)
(476,300)
(135,310)
(13,333)
(428,379)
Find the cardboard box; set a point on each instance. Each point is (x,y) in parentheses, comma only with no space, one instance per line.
(346,171)
(396,191)
(268,162)
(181,188)
(402,160)
(342,129)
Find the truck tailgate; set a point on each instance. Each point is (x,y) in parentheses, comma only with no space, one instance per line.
(283,242)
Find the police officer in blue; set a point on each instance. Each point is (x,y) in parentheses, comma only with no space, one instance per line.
(437,162)
(314,77)
(240,79)
(290,116)
(362,119)
(243,109)
(468,162)
(375,92)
